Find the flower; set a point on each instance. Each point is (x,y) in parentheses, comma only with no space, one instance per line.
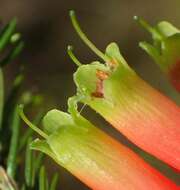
(94,157)
(165,49)
(141,113)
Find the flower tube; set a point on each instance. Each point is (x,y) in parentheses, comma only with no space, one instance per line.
(141,113)
(94,157)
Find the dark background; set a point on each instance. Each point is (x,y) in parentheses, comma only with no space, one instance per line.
(47,31)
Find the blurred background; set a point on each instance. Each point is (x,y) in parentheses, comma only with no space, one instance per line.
(47,31)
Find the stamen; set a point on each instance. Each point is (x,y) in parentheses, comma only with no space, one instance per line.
(84,37)
(72,56)
(31,125)
(148,27)
(101,75)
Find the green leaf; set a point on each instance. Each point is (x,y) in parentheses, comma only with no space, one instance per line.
(54,182)
(12,54)
(12,156)
(29,164)
(1,96)
(11,101)
(37,165)
(43,181)
(5,36)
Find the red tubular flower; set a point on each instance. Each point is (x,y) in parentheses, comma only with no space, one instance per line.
(165,49)
(95,158)
(141,113)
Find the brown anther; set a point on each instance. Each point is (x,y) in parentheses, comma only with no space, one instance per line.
(102,75)
(112,64)
(99,90)
(97,94)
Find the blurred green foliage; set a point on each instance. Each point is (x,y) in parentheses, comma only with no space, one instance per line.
(15,153)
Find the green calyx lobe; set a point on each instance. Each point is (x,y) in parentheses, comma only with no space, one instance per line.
(64,134)
(55,120)
(166,44)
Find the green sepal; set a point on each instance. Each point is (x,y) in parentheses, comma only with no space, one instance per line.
(113,52)
(57,123)
(43,146)
(151,50)
(55,119)
(167,29)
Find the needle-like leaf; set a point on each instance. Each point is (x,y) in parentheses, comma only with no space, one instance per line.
(29,164)
(1,96)
(54,182)
(12,54)
(43,182)
(12,156)
(7,33)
